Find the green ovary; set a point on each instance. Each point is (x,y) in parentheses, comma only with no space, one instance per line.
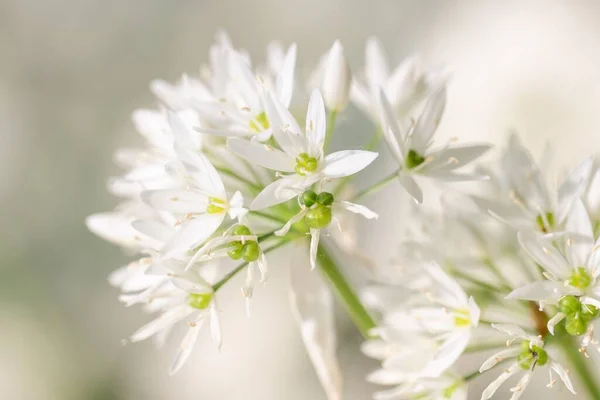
(305,164)
(318,217)
(200,300)
(531,354)
(413,159)
(260,123)
(542,225)
(580,278)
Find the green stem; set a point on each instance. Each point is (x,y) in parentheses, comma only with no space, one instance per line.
(357,312)
(231,174)
(240,267)
(274,218)
(330,127)
(383,182)
(578,362)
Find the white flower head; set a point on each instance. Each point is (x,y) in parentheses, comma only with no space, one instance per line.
(414,151)
(530,355)
(300,162)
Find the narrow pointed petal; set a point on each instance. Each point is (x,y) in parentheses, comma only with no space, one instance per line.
(316,124)
(192,233)
(564,375)
(491,389)
(428,121)
(579,246)
(359,209)
(186,346)
(573,187)
(499,357)
(376,69)
(390,127)
(275,193)
(544,253)
(285,80)
(409,184)
(262,154)
(286,228)
(166,319)
(347,162)
(538,291)
(555,321)
(315,235)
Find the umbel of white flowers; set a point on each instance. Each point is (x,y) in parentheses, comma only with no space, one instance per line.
(227,174)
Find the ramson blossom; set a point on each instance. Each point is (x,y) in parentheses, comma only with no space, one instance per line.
(414,151)
(530,354)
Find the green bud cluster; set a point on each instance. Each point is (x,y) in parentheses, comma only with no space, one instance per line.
(578,315)
(319,205)
(414,159)
(249,250)
(531,355)
(305,164)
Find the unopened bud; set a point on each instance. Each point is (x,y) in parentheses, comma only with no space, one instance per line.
(337,78)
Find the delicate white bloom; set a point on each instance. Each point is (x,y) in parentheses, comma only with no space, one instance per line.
(404,87)
(424,335)
(301,156)
(445,387)
(337,78)
(413,148)
(529,355)
(523,194)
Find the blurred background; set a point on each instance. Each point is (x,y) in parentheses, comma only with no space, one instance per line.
(72,71)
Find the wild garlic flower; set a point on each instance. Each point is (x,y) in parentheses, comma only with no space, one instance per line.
(300,157)
(413,148)
(446,387)
(571,267)
(404,87)
(523,194)
(530,354)
(424,335)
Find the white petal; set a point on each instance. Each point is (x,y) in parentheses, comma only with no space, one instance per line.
(579,246)
(166,319)
(376,69)
(315,235)
(154,229)
(390,127)
(448,353)
(215,325)
(428,121)
(564,375)
(347,162)
(176,201)
(285,80)
(521,386)
(312,304)
(474,311)
(491,389)
(275,193)
(113,227)
(358,209)
(316,124)
(573,187)
(204,173)
(192,233)
(409,184)
(538,291)
(499,357)
(186,346)
(516,331)
(262,154)
(455,157)
(544,253)
(281,121)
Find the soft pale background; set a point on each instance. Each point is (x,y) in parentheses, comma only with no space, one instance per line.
(71,71)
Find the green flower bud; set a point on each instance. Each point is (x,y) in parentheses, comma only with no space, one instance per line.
(236,250)
(580,278)
(414,159)
(308,198)
(325,198)
(318,217)
(250,251)
(200,300)
(569,305)
(575,325)
(241,230)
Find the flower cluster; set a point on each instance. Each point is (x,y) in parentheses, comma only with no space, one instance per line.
(231,170)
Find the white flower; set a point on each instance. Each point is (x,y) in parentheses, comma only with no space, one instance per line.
(424,335)
(413,148)
(318,211)
(406,86)
(337,78)
(523,193)
(571,263)
(301,155)
(445,387)
(530,354)
(185,296)
(200,207)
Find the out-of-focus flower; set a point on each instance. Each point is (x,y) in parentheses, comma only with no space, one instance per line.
(337,78)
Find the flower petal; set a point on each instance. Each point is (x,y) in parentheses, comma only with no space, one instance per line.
(262,154)
(316,125)
(186,346)
(192,233)
(390,127)
(285,80)
(358,209)
(275,193)
(538,291)
(544,253)
(409,184)
(491,389)
(315,235)
(564,375)
(347,162)
(499,357)
(428,121)
(580,245)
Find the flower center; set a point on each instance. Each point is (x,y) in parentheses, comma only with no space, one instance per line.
(449,391)
(216,206)
(531,356)
(249,250)
(462,318)
(580,278)
(305,164)
(319,215)
(200,300)
(414,159)
(260,123)
(545,222)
